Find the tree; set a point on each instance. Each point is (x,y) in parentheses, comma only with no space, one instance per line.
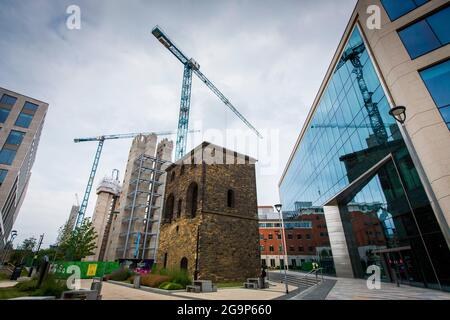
(23,251)
(28,244)
(63,233)
(80,243)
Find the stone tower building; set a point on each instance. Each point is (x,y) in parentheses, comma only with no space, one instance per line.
(135,229)
(108,193)
(210,223)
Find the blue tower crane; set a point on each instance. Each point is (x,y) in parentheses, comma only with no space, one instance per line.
(191,66)
(353,54)
(101,140)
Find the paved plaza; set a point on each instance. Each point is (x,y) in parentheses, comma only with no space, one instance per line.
(356,289)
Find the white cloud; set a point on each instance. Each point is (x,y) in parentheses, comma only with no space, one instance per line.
(112,76)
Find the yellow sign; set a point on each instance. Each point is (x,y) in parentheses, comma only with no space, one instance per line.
(92,270)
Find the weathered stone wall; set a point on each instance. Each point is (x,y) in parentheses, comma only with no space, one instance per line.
(228,248)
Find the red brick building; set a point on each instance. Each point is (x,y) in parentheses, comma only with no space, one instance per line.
(306,237)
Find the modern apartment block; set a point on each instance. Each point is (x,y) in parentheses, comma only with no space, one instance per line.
(21,122)
(369,173)
(135,230)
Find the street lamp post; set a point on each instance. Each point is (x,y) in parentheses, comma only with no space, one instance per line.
(8,244)
(278,208)
(399,114)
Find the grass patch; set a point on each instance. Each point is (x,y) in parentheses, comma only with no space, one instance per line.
(234,284)
(11,293)
(4,276)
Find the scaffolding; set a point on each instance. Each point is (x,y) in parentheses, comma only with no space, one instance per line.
(141,212)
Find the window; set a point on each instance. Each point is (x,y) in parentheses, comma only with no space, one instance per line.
(291,248)
(310,249)
(290,236)
(261,248)
(437,80)
(428,34)
(7,99)
(9,150)
(24,120)
(15,138)
(299,236)
(4,113)
(272,263)
(397,8)
(230,198)
(172,176)
(7,156)
(301,249)
(261,236)
(30,106)
(180,202)
(271,249)
(278,236)
(308,237)
(169,206)
(3,174)
(192,200)
(270,236)
(280,248)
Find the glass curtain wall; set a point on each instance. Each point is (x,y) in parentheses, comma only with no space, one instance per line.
(349,133)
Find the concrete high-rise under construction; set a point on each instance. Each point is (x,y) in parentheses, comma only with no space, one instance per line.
(135,230)
(108,193)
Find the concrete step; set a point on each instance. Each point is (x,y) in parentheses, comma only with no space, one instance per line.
(298,281)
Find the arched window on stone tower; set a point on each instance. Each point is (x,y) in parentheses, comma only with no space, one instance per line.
(169,206)
(230,198)
(180,202)
(192,199)
(184,264)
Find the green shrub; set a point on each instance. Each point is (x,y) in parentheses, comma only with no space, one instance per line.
(170,286)
(4,276)
(163,272)
(24,272)
(51,287)
(27,286)
(120,275)
(180,277)
(154,280)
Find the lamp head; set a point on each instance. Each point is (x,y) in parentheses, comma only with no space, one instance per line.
(399,113)
(278,207)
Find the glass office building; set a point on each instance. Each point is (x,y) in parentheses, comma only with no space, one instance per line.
(352,160)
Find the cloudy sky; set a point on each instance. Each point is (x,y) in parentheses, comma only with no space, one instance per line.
(113,76)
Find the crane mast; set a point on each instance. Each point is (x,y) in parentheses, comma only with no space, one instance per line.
(101,140)
(376,122)
(191,66)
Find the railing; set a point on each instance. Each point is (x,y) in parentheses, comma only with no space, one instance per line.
(316,273)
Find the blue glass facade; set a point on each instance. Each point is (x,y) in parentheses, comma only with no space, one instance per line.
(397,8)
(386,217)
(340,126)
(427,34)
(437,80)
